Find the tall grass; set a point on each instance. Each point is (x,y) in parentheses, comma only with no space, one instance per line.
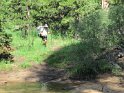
(79,60)
(5,66)
(30,50)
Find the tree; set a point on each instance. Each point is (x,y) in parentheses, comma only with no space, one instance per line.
(5,39)
(105,4)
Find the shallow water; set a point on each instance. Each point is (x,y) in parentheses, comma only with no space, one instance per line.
(34,88)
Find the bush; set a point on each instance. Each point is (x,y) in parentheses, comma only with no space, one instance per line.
(5,40)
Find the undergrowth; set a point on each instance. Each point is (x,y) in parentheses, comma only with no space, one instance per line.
(74,56)
(30,50)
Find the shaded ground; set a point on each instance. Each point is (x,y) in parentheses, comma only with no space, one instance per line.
(40,73)
(43,73)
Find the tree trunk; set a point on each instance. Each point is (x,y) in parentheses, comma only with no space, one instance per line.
(0,26)
(105,4)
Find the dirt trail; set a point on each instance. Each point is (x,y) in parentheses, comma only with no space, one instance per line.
(38,72)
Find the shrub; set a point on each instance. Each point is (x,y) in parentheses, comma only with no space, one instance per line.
(5,40)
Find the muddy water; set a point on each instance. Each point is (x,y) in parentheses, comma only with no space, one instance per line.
(34,88)
(103,86)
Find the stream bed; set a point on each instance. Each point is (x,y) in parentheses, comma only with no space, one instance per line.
(34,88)
(55,87)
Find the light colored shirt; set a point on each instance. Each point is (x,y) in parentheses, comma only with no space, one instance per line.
(42,30)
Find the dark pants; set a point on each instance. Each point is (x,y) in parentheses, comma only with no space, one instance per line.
(43,37)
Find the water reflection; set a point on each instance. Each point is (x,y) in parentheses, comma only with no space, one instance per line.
(34,88)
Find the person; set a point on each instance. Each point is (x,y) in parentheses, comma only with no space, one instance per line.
(43,32)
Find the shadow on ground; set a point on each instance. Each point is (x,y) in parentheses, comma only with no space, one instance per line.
(72,65)
(77,61)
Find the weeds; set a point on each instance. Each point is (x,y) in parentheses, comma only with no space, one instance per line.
(25,65)
(26,54)
(5,66)
(76,57)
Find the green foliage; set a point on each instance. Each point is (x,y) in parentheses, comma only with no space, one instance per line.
(59,14)
(96,28)
(25,48)
(79,60)
(116,16)
(5,40)
(5,65)
(25,65)
(116,2)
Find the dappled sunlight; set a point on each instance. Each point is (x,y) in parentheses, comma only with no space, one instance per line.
(80,50)
(79,60)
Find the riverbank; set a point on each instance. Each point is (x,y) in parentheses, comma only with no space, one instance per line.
(44,74)
(35,68)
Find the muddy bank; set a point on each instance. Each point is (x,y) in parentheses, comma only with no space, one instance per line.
(37,73)
(43,73)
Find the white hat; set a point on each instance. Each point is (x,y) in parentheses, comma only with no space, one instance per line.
(45,25)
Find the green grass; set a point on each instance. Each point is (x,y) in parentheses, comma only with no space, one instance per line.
(78,60)
(36,53)
(5,66)
(59,52)
(25,65)
(76,57)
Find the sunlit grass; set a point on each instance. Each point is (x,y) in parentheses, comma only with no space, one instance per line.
(25,65)
(5,66)
(32,53)
(60,52)
(36,53)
